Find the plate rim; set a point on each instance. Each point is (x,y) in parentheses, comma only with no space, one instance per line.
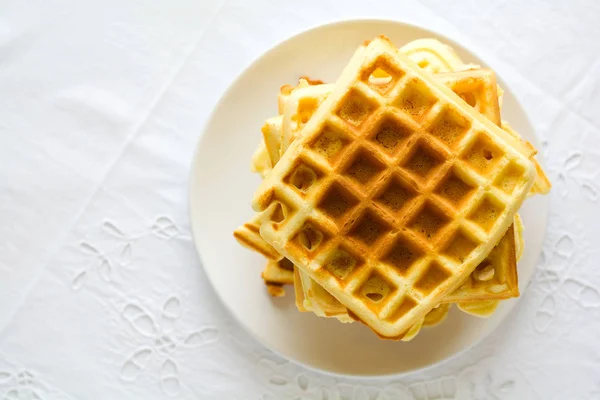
(200,143)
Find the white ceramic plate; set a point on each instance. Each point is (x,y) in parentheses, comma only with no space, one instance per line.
(222,187)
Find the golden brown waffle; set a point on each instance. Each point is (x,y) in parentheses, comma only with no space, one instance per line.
(479,88)
(383,182)
(476,87)
(472,87)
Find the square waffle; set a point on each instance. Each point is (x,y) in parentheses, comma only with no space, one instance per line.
(367,221)
(478,88)
(472,86)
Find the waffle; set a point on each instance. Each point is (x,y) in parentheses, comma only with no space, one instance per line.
(361,201)
(478,87)
(471,87)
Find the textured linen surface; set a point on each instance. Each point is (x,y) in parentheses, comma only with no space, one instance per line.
(101,293)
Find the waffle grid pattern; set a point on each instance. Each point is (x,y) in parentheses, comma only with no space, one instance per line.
(478,89)
(428,169)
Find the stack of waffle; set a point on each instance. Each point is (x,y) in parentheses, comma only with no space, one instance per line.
(394,192)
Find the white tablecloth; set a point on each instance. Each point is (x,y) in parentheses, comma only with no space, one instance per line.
(101,292)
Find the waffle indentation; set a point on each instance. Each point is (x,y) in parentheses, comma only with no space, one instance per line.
(510,177)
(459,247)
(382,75)
(408,303)
(355,108)
(337,201)
(278,214)
(309,237)
(390,134)
(423,161)
(396,195)
(286,264)
(364,168)
(433,276)
(279,210)
(369,228)
(302,177)
(469,97)
(416,99)
(483,155)
(329,143)
(402,256)
(429,221)
(449,126)
(454,189)
(487,213)
(341,263)
(376,289)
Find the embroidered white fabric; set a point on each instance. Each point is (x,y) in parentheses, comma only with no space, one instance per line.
(101,292)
